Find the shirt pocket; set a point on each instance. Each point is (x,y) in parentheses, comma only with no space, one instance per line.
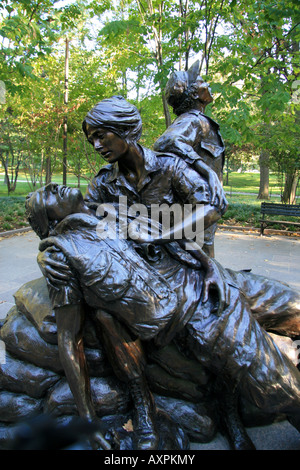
(108,278)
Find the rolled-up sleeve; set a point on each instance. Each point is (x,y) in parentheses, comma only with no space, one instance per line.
(189,187)
(93,196)
(181,137)
(60,294)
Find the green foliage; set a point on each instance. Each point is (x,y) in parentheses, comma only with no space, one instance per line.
(153,119)
(27,30)
(12,213)
(249,52)
(242,212)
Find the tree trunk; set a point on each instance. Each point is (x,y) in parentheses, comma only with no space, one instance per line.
(48,170)
(78,176)
(264,175)
(157,36)
(66,94)
(166,111)
(290,187)
(5,166)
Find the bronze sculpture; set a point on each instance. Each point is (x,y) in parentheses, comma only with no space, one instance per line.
(232,344)
(194,136)
(141,175)
(122,127)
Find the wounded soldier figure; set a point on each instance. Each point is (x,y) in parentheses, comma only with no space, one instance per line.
(116,282)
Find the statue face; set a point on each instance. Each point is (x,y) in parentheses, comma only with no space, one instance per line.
(61,201)
(110,145)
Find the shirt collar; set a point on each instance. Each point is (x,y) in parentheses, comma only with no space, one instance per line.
(151,165)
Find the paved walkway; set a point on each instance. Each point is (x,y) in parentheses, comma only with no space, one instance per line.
(277,257)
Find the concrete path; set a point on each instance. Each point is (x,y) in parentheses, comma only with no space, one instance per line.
(17,266)
(276,257)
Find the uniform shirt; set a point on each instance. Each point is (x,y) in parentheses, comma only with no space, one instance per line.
(108,274)
(194,136)
(166,179)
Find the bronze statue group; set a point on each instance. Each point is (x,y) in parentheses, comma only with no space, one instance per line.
(147,295)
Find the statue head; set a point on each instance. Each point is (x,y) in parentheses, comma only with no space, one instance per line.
(187,90)
(49,205)
(176,88)
(116,115)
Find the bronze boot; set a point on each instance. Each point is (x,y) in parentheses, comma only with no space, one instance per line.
(146,436)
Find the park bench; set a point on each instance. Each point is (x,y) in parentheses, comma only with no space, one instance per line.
(269,208)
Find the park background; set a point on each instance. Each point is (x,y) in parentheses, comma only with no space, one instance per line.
(59,58)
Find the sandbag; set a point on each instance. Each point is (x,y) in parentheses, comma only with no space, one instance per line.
(21,377)
(109,397)
(14,406)
(33,301)
(23,341)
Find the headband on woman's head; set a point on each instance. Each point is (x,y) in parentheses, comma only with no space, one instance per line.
(116,115)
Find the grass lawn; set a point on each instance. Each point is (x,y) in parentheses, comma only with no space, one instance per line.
(249,183)
(12,208)
(244,209)
(24,188)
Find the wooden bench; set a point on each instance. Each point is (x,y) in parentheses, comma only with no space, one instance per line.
(269,208)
